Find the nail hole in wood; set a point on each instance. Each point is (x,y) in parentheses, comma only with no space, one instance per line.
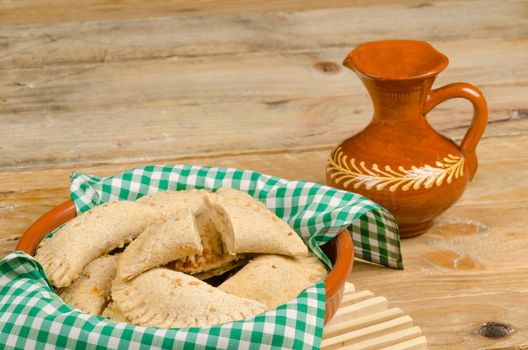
(327,67)
(494,330)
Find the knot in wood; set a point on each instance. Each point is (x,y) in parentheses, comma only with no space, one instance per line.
(327,67)
(494,330)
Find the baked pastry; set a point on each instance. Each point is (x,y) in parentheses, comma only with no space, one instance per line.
(175,238)
(194,235)
(90,235)
(247,226)
(91,290)
(274,279)
(165,298)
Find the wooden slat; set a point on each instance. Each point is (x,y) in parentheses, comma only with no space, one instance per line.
(350,288)
(361,308)
(337,328)
(389,339)
(352,298)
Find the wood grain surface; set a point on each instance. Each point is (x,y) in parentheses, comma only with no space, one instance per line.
(101,86)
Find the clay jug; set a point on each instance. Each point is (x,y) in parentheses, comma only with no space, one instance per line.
(399,161)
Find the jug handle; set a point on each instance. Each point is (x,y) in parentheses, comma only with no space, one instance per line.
(469,143)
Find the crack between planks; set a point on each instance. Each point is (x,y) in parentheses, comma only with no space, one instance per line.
(448,297)
(172,159)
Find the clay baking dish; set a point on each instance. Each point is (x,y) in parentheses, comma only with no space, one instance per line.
(340,250)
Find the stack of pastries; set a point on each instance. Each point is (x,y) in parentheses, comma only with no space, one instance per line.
(147,262)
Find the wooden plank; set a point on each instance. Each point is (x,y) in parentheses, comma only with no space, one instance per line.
(364,334)
(253,76)
(277,31)
(33,11)
(80,138)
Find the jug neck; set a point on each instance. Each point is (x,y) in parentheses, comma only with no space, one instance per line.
(398,100)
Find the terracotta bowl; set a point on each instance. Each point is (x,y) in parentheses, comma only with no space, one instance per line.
(340,250)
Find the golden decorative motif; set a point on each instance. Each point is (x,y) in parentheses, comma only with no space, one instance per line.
(348,171)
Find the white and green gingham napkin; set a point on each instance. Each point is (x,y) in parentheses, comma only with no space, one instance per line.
(32,315)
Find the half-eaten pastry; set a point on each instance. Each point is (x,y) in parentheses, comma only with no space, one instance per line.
(213,260)
(247,226)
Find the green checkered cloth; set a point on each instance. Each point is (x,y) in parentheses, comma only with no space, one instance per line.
(32,315)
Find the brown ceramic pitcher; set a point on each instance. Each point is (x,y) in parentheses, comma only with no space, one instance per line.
(399,160)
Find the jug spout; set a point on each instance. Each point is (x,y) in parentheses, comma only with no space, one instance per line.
(396,60)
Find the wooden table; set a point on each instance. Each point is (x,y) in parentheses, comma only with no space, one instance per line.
(103,86)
